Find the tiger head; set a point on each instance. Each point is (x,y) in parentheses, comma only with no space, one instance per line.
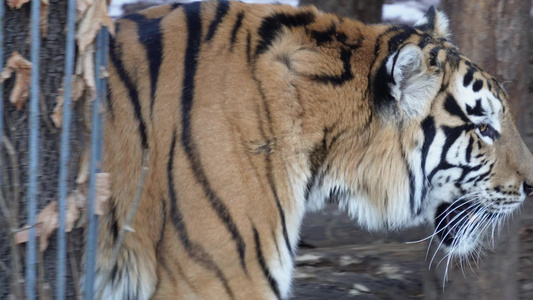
(465,167)
(468,166)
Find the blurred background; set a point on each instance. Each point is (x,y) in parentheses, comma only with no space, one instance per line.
(336,260)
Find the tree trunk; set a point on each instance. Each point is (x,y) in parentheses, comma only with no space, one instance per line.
(16,130)
(494,34)
(366,11)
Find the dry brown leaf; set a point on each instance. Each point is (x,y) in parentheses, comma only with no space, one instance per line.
(21,90)
(47,223)
(82,6)
(78,87)
(73,209)
(17,4)
(49,219)
(93,18)
(83,173)
(23,234)
(102,192)
(44,17)
(57,114)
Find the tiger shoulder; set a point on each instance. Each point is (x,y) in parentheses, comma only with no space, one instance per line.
(255,114)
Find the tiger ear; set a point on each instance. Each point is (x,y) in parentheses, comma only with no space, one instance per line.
(434,23)
(412,84)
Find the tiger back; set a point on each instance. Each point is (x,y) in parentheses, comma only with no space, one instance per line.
(255,114)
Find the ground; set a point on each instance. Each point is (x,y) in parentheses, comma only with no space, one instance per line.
(338,261)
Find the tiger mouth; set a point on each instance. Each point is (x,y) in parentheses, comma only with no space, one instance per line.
(451,219)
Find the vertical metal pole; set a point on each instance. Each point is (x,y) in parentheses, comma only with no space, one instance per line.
(96,145)
(1,86)
(31,256)
(65,151)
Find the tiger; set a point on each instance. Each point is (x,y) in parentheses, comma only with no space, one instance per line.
(254,114)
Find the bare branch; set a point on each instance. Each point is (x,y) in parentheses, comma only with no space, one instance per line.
(127,224)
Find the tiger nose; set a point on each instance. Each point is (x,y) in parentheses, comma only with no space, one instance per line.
(528,189)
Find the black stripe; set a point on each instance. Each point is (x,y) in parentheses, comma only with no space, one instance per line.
(322,37)
(478,84)
(486,174)
(477,110)
(222,10)
(272,25)
(236,27)
(261,259)
(278,203)
(412,187)
(194,250)
(430,17)
(132,92)
(451,106)
(452,134)
(428,127)
(249,47)
(469,76)
(109,103)
(469,149)
(397,40)
(114,221)
(268,162)
(379,83)
(194,26)
(346,55)
(149,32)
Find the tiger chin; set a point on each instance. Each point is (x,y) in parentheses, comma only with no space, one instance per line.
(254,114)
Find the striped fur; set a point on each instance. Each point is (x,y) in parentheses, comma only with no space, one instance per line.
(254,114)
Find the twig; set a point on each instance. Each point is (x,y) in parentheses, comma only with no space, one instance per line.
(4,209)
(46,115)
(5,267)
(16,279)
(15,179)
(27,227)
(40,266)
(126,227)
(74,269)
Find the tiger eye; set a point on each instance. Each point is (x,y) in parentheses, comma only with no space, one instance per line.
(483,127)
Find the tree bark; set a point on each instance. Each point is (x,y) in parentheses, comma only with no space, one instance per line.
(366,11)
(494,34)
(16,130)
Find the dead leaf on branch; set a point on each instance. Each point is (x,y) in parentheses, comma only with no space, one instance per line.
(44,17)
(21,90)
(83,173)
(48,220)
(16,4)
(57,114)
(94,15)
(102,192)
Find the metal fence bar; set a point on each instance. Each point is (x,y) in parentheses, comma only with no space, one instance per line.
(96,154)
(65,152)
(1,86)
(31,256)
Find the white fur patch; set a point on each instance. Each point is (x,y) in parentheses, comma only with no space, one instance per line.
(125,285)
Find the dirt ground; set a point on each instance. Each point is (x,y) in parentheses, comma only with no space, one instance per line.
(336,260)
